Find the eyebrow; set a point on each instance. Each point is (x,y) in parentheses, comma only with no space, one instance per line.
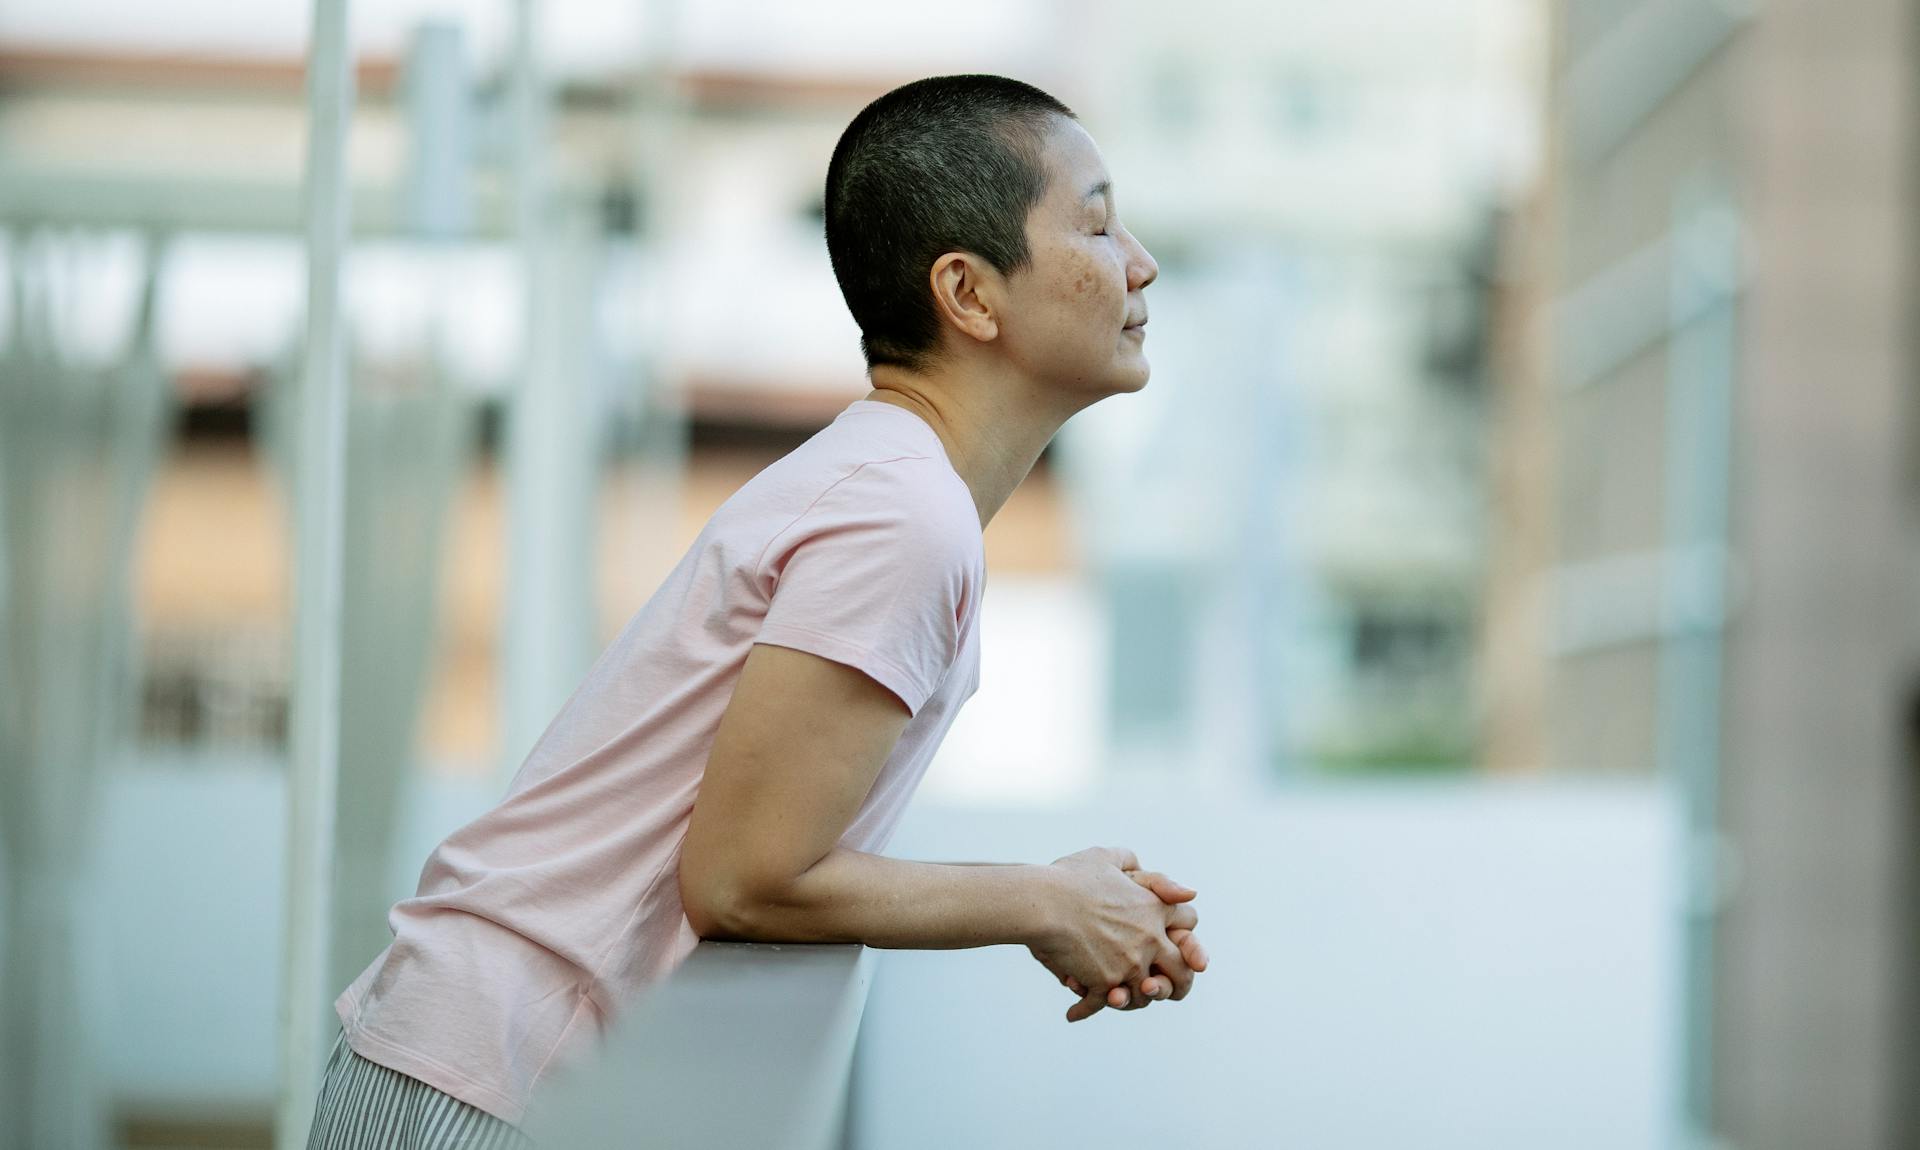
(1102,188)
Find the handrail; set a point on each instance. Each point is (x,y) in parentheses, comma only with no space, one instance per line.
(748,1044)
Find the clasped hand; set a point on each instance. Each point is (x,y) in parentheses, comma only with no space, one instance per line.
(1107,924)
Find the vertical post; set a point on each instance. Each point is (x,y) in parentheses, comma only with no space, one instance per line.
(1705,272)
(524,671)
(552,449)
(319,497)
(1274,570)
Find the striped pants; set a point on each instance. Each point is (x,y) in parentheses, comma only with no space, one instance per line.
(366,1106)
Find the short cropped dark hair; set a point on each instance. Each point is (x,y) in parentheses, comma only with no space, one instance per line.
(948,163)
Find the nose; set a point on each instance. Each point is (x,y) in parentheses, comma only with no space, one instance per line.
(1143,270)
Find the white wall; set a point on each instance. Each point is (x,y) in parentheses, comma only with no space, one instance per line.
(1479,964)
(187,937)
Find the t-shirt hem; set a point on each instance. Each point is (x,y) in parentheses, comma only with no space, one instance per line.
(891,676)
(441,1077)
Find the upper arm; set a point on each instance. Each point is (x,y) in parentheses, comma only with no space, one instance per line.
(795,753)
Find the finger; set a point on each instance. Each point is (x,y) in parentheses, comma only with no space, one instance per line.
(1139,994)
(1090,1004)
(1122,857)
(1173,970)
(1073,984)
(1126,998)
(1190,948)
(1183,915)
(1156,985)
(1168,890)
(1153,988)
(1087,1007)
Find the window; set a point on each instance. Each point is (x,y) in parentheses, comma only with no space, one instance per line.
(202,688)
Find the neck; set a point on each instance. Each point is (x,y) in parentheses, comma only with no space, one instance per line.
(993,430)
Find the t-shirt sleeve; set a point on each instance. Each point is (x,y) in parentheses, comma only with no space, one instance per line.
(874,576)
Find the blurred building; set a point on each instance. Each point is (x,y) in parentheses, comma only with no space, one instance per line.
(1723,569)
(1322,189)
(1338,178)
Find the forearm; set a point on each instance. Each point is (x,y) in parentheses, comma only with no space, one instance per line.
(903,904)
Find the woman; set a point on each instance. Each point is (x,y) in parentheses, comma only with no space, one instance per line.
(798,668)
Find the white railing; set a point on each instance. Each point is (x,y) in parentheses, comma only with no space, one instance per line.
(747,1044)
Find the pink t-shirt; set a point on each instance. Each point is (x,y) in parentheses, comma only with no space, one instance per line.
(535,922)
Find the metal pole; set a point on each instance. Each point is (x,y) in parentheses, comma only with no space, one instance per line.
(551,447)
(1706,272)
(318,503)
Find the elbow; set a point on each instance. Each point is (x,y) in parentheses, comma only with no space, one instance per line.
(706,925)
(704,908)
(716,911)
(717,925)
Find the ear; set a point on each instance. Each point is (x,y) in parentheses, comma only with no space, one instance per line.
(966,293)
